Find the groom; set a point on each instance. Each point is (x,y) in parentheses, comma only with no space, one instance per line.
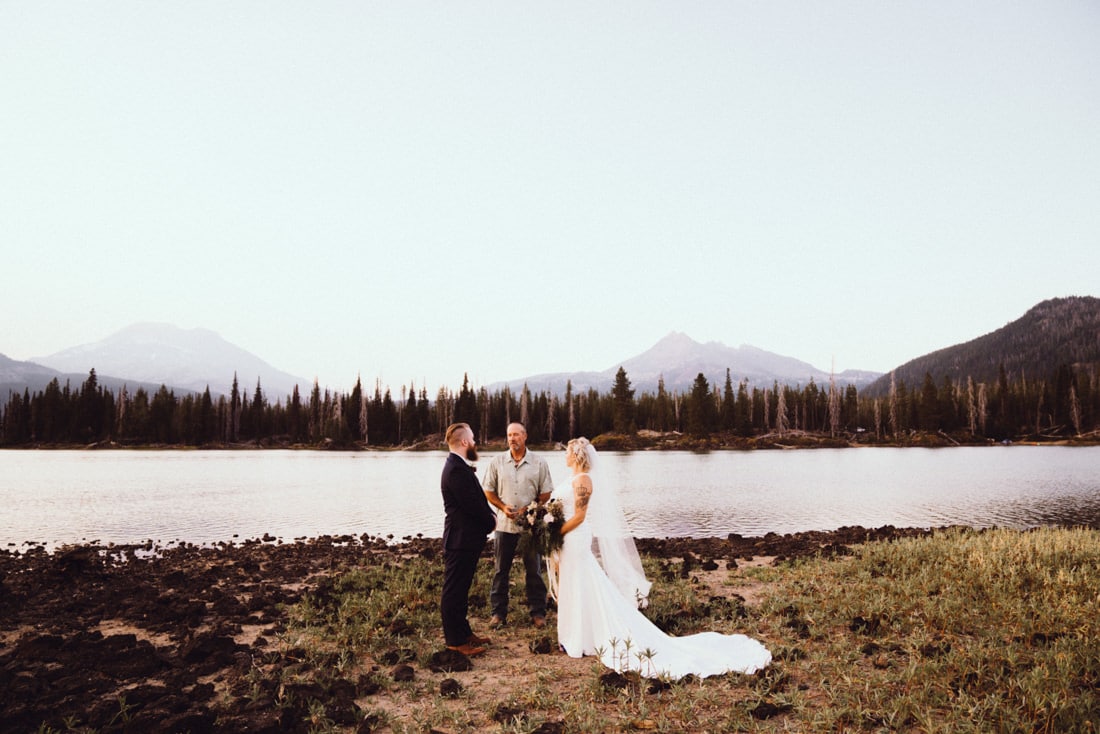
(466,527)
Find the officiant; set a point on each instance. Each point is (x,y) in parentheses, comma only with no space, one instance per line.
(515,478)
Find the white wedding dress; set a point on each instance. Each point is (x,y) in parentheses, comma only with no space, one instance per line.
(595,618)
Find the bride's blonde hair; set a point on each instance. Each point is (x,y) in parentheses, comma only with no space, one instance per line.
(577,449)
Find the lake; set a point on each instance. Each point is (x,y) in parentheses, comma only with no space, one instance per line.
(203,497)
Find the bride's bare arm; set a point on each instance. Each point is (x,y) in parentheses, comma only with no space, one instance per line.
(582,492)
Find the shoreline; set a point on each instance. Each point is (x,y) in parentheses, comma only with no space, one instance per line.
(640,441)
(731,545)
(796,543)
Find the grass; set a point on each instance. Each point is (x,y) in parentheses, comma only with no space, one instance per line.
(962,631)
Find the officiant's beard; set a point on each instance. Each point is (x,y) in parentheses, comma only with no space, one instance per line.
(471,454)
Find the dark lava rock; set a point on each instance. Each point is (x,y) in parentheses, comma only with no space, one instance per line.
(935,649)
(449,661)
(450,688)
(208,653)
(400,655)
(505,714)
(400,628)
(370,724)
(614,681)
(866,626)
(367,686)
(541,645)
(656,685)
(765,710)
(402,673)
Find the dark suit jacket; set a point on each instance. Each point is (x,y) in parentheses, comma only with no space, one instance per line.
(469,519)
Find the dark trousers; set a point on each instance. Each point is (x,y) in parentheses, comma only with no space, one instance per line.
(504,552)
(459,567)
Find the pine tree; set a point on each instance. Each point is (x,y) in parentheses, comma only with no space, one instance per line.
(893,406)
(983,407)
(572,409)
(622,397)
(235,411)
(663,408)
(315,412)
(743,410)
(729,404)
(355,415)
(834,406)
(465,407)
(702,411)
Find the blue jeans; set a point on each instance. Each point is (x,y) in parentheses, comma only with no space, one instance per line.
(504,551)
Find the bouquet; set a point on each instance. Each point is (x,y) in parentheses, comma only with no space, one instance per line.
(541,525)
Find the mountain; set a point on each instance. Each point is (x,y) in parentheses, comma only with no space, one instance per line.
(191,359)
(679,359)
(16,377)
(13,372)
(1059,331)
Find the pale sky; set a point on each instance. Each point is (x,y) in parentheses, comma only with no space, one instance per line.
(410,191)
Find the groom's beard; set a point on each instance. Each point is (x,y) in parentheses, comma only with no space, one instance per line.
(471,454)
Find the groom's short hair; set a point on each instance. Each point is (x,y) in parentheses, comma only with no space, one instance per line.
(454,430)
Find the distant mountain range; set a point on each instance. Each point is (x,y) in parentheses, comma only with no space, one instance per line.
(150,354)
(18,376)
(1055,332)
(1060,331)
(678,359)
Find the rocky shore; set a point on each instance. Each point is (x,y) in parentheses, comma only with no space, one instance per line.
(186,639)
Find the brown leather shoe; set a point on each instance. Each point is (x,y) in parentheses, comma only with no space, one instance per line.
(476,641)
(539,622)
(495,622)
(468,650)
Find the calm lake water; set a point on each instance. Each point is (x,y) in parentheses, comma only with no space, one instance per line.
(56,497)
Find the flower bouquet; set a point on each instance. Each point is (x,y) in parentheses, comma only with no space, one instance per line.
(541,525)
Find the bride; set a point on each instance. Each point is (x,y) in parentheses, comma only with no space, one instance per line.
(601,585)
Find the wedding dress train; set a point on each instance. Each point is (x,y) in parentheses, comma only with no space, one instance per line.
(595,618)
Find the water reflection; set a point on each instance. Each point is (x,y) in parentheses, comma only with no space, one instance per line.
(206,497)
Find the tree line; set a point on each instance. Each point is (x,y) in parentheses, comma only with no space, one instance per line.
(1065,404)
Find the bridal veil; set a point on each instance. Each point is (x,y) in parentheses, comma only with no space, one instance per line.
(612,542)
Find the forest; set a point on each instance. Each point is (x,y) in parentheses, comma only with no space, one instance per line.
(1065,405)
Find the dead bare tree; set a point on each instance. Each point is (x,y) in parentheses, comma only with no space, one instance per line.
(781,421)
(834,405)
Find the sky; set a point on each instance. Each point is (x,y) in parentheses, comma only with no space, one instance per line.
(414,191)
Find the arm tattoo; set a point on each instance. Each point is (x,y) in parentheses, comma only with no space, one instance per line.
(583,495)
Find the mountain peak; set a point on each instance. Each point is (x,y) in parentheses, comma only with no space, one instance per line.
(677,359)
(163,353)
(675,337)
